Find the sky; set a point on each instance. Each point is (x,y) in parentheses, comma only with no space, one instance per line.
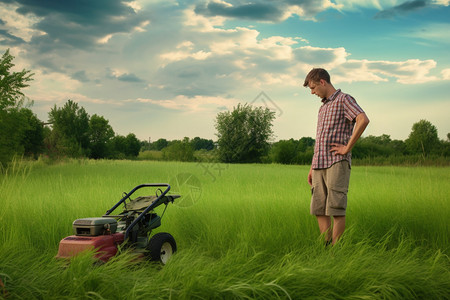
(166,68)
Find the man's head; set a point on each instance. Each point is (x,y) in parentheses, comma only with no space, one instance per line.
(318,80)
(315,75)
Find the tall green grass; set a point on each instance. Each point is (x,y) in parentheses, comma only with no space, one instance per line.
(247,235)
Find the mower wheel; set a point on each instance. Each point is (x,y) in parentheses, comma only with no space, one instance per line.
(161,247)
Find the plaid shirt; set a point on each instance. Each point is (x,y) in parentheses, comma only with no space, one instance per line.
(336,121)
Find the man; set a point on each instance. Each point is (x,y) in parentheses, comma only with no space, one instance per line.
(340,124)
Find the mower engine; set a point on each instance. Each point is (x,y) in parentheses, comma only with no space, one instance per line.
(90,234)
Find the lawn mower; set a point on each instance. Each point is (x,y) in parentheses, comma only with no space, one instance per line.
(131,228)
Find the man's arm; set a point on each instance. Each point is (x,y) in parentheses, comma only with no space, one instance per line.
(361,123)
(310,176)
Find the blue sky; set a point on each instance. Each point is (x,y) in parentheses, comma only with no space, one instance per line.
(165,68)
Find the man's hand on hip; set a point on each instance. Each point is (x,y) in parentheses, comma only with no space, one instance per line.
(338,149)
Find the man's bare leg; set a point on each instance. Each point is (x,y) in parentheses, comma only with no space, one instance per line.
(325,226)
(338,227)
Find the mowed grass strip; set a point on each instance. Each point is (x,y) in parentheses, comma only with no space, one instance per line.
(245,233)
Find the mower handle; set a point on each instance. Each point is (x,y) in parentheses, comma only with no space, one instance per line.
(149,208)
(135,189)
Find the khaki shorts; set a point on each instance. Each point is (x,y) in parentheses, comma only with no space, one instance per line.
(329,190)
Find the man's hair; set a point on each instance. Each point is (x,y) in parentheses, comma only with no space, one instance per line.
(315,75)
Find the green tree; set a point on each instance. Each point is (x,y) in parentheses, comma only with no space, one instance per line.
(125,147)
(200,143)
(293,151)
(305,144)
(70,129)
(133,145)
(423,138)
(33,137)
(11,135)
(372,146)
(118,147)
(12,83)
(305,150)
(398,147)
(18,126)
(100,135)
(378,146)
(21,133)
(160,144)
(446,146)
(244,133)
(284,152)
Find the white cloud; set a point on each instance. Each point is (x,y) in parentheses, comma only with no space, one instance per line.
(278,47)
(104,39)
(49,89)
(412,71)
(191,104)
(321,57)
(141,26)
(181,55)
(135,5)
(21,26)
(57,83)
(446,74)
(356,71)
(355,4)
(202,23)
(231,41)
(269,79)
(378,4)
(441,2)
(435,32)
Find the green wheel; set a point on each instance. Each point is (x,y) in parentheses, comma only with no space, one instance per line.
(161,247)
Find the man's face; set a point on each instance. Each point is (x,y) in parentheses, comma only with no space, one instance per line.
(318,88)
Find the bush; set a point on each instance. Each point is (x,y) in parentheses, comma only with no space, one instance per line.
(204,155)
(150,155)
(179,151)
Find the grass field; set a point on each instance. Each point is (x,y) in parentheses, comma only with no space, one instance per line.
(243,232)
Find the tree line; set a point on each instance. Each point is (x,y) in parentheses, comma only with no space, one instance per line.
(244,135)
